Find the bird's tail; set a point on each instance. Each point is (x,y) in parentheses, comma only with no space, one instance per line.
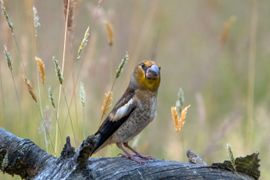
(95,142)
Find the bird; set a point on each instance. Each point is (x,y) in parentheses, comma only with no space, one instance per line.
(132,113)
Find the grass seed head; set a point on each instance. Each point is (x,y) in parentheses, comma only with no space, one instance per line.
(179,121)
(41,69)
(69,6)
(180,100)
(107,102)
(82,95)
(51,97)
(226,29)
(109,32)
(30,89)
(5,14)
(121,66)
(183,116)
(83,43)
(8,58)
(36,20)
(58,70)
(175,118)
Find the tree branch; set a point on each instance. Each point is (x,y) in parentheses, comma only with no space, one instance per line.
(22,157)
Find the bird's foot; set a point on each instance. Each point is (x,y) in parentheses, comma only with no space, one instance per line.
(138,154)
(145,157)
(134,157)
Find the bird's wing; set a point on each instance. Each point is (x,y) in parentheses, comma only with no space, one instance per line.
(120,113)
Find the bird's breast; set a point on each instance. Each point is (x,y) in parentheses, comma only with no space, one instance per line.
(138,120)
(148,107)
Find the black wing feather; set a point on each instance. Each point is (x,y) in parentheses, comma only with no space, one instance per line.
(108,127)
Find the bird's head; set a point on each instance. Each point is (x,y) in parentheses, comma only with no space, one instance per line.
(146,76)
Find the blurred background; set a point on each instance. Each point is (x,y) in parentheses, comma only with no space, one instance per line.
(217,51)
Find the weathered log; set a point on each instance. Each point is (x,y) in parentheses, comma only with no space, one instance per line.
(22,157)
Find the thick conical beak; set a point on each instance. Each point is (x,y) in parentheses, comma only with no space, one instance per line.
(152,72)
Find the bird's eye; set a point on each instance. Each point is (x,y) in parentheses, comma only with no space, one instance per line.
(144,66)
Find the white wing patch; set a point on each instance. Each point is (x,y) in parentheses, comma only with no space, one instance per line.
(122,111)
(153,112)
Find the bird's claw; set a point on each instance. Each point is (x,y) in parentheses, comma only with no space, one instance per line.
(144,157)
(135,157)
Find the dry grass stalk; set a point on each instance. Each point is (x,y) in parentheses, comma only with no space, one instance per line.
(58,70)
(226,29)
(8,58)
(30,89)
(36,20)
(107,102)
(5,14)
(109,32)
(83,43)
(69,6)
(41,69)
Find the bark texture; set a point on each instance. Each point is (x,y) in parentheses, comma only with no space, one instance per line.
(22,157)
